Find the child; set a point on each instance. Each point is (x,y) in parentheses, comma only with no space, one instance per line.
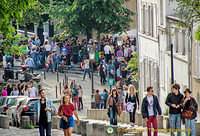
(4,91)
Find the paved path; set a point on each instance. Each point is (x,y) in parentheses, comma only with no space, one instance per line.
(28,132)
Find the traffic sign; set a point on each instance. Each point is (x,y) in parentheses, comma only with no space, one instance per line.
(119,53)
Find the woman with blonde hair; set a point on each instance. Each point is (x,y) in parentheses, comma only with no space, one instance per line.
(131,103)
(66,111)
(112,103)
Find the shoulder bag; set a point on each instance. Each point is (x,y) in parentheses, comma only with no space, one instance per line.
(118,108)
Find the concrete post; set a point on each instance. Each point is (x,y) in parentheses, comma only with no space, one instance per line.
(78,128)
(89,129)
(55,122)
(140,119)
(160,122)
(83,124)
(25,121)
(4,121)
(100,130)
(94,125)
(197,129)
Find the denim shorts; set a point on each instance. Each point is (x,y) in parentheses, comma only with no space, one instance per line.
(69,123)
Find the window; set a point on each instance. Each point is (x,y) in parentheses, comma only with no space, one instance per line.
(152,22)
(149,20)
(161,12)
(144,21)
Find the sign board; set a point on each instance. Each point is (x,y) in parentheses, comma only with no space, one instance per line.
(111,82)
(119,54)
(45,33)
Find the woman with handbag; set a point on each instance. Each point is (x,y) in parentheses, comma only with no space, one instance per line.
(113,106)
(131,103)
(189,112)
(66,111)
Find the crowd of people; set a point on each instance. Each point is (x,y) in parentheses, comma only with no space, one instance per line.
(29,89)
(182,108)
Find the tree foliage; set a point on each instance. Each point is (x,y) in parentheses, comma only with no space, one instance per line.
(11,9)
(133,65)
(81,16)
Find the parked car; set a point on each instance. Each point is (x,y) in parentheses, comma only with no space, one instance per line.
(11,105)
(4,101)
(24,108)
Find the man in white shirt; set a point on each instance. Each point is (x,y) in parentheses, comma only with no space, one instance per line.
(107,51)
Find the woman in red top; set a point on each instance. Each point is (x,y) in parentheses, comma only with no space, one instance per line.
(66,111)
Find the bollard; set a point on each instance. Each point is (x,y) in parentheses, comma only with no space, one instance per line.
(44,74)
(67,80)
(63,82)
(56,91)
(60,87)
(57,77)
(25,121)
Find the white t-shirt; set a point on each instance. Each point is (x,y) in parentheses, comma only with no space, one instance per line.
(48,47)
(26,93)
(150,105)
(32,92)
(107,49)
(79,93)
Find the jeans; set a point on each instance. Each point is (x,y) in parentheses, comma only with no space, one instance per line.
(86,70)
(152,120)
(104,102)
(103,80)
(76,101)
(132,115)
(190,124)
(122,106)
(30,70)
(113,117)
(175,123)
(97,106)
(45,125)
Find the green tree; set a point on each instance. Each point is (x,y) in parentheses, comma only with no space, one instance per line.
(133,65)
(11,9)
(189,13)
(32,15)
(81,16)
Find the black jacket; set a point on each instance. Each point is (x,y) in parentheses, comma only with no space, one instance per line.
(133,99)
(156,107)
(174,99)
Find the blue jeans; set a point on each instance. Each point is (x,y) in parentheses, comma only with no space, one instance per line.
(45,125)
(113,117)
(175,123)
(190,124)
(97,106)
(30,69)
(86,70)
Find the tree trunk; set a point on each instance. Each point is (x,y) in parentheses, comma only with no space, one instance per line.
(89,34)
(25,31)
(99,40)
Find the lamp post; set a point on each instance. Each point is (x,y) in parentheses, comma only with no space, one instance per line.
(92,55)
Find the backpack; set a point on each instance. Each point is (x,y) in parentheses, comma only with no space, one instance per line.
(75,92)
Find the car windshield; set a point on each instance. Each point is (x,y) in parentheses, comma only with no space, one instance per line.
(10,101)
(3,102)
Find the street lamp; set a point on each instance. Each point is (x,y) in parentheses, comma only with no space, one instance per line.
(92,55)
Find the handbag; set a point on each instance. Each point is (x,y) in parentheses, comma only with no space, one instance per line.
(61,112)
(187,114)
(118,108)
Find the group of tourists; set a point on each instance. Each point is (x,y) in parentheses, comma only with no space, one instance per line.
(29,89)
(181,107)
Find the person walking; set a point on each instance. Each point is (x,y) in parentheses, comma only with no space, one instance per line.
(132,101)
(43,110)
(66,111)
(122,96)
(105,97)
(87,69)
(66,90)
(29,61)
(107,51)
(97,99)
(102,74)
(189,104)
(150,109)
(113,103)
(174,101)
(80,96)
(75,97)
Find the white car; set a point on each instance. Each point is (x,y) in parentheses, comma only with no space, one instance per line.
(11,105)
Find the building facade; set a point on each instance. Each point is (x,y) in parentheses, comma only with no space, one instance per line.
(158,29)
